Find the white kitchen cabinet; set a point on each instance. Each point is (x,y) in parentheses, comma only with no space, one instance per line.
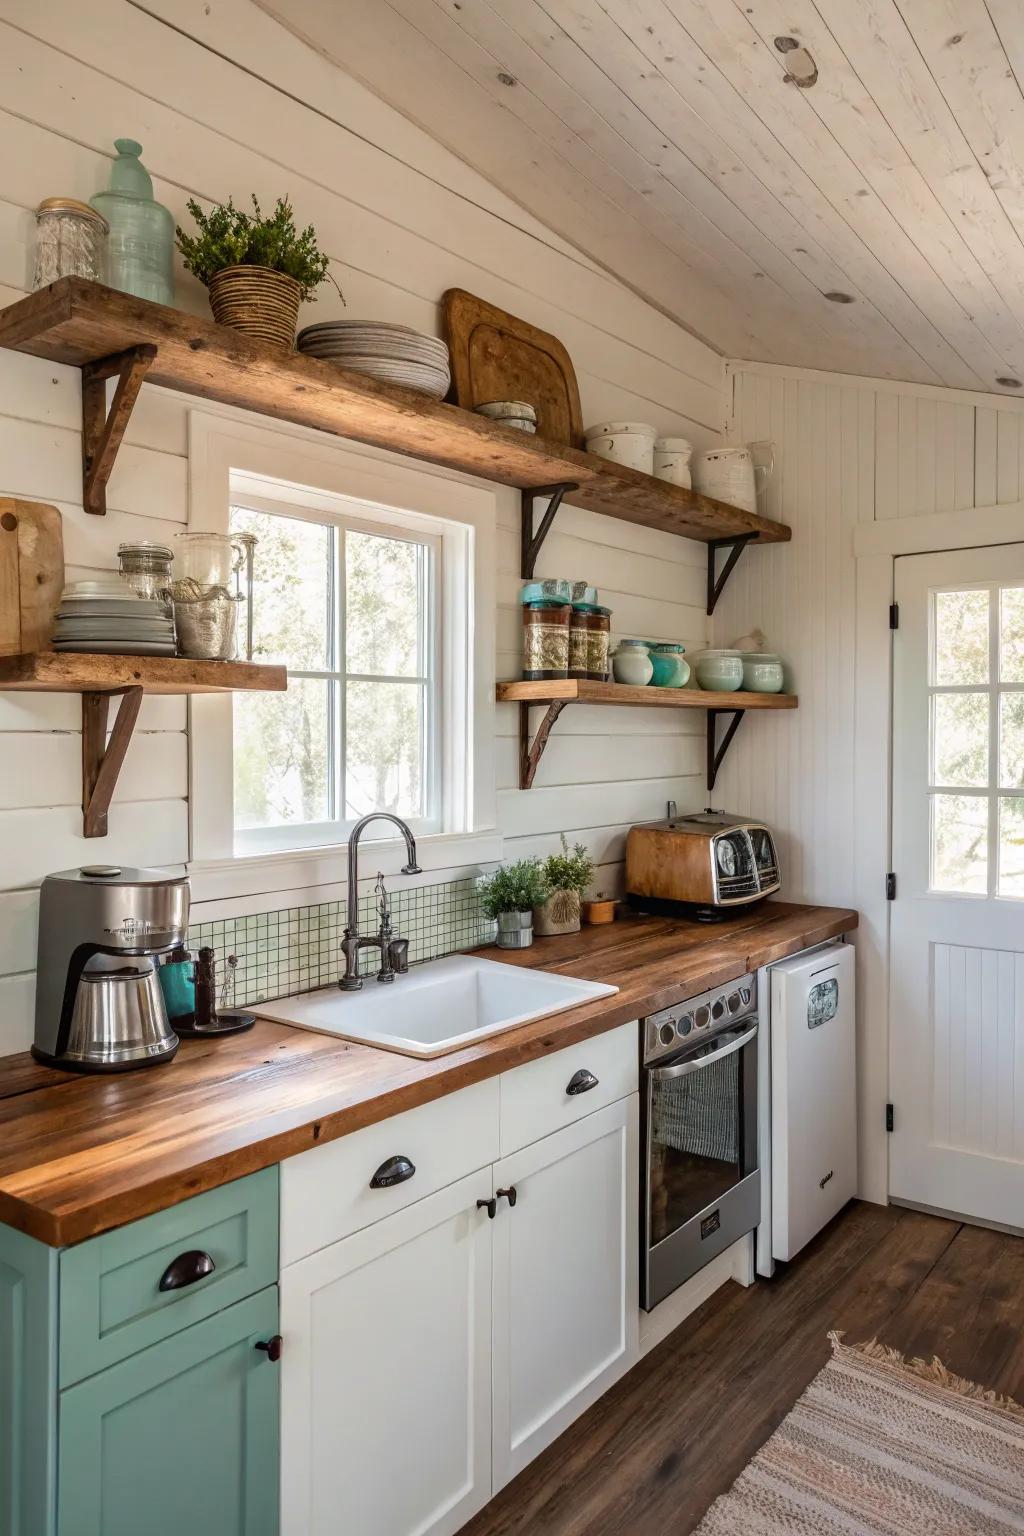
(386,1374)
(565,1289)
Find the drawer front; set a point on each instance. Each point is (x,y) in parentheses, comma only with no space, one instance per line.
(111,1301)
(326,1193)
(548,1094)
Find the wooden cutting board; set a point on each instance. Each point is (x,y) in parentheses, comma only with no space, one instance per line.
(31,574)
(496,356)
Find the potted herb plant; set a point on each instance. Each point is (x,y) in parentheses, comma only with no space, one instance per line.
(566,875)
(510,896)
(258,270)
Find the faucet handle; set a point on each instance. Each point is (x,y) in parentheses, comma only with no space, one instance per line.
(380,890)
(398,954)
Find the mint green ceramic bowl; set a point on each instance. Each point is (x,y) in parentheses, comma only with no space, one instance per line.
(762,673)
(720,671)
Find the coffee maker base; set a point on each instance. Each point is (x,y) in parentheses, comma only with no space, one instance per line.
(149,1058)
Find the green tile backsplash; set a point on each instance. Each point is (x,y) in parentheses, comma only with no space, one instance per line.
(295,949)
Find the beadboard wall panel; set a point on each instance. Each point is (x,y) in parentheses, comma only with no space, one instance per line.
(226,102)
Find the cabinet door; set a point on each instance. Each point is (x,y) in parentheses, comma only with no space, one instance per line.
(386,1374)
(182,1437)
(566,1279)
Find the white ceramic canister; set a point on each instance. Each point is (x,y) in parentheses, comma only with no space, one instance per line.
(728,475)
(672,460)
(624,442)
(632,664)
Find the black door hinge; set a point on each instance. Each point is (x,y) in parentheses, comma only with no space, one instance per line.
(890,886)
(894,615)
(890,1117)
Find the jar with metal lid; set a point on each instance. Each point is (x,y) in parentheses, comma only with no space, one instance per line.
(545,640)
(589,629)
(145,566)
(70,241)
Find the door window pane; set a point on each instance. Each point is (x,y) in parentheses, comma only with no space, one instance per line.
(960,739)
(1011,846)
(382,605)
(282,755)
(1011,739)
(292,579)
(384,749)
(961,637)
(1011,635)
(960,843)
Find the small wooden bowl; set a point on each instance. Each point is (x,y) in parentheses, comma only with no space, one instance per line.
(597,912)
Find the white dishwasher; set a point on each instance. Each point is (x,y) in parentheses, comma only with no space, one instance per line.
(808,1098)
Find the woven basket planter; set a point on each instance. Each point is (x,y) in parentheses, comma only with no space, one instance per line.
(262,303)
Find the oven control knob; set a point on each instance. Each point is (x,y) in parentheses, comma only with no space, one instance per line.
(686,1023)
(702,1016)
(718,1008)
(735,1002)
(745,995)
(667,1033)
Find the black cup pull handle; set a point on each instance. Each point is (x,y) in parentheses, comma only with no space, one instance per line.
(490,1206)
(581,1082)
(271,1347)
(508,1194)
(186,1269)
(394,1171)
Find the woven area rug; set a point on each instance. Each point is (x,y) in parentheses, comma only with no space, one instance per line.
(879,1447)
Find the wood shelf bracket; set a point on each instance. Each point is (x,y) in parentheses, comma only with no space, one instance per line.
(531,539)
(102,430)
(716,584)
(101,761)
(530,754)
(716,750)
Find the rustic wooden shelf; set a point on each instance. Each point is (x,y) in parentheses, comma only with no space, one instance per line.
(105,332)
(556,695)
(99,679)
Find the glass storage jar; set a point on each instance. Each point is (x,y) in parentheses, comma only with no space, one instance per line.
(141,246)
(145,566)
(545,640)
(588,641)
(210,559)
(70,241)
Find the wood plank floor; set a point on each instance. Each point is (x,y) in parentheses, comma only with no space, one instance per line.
(649,1458)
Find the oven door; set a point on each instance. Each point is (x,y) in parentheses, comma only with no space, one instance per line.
(702,1186)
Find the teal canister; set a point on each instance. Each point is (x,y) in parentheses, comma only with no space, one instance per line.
(671,669)
(177,977)
(140,248)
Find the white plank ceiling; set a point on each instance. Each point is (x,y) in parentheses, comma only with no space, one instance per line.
(664,139)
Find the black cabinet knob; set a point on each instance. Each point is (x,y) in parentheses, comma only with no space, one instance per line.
(271,1347)
(490,1206)
(581,1082)
(394,1171)
(186,1269)
(508,1194)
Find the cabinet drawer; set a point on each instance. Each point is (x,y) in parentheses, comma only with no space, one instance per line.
(111,1303)
(326,1192)
(536,1099)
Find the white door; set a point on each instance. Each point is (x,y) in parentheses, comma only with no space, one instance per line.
(957,935)
(566,1279)
(386,1374)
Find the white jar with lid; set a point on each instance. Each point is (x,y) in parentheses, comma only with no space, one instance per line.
(672,460)
(624,442)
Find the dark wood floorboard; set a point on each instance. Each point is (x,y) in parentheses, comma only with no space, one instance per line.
(649,1458)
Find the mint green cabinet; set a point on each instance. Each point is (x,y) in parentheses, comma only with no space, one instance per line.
(182,1437)
(28,1384)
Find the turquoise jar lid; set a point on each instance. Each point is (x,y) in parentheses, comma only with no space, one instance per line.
(667,647)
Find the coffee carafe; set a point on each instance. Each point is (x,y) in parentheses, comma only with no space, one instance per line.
(99,1005)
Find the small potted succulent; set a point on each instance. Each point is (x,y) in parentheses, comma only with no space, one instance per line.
(258,270)
(566,875)
(510,896)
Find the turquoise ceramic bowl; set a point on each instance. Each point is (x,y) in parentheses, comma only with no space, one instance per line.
(720,671)
(762,673)
(671,670)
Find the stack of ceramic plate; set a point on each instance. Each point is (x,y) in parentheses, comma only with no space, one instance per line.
(106,617)
(395,354)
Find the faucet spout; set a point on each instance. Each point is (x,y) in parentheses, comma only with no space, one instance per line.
(352,942)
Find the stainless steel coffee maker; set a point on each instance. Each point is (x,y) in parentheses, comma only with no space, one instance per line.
(99,1005)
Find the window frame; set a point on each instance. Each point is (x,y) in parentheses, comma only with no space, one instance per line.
(305,465)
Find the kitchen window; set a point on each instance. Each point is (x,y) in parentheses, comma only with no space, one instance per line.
(350,607)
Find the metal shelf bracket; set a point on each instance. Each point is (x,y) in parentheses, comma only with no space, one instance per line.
(102,430)
(102,760)
(531,540)
(735,546)
(716,752)
(531,754)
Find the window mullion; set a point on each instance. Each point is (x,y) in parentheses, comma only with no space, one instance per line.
(340,653)
(993,741)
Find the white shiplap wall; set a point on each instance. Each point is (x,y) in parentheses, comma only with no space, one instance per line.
(402,219)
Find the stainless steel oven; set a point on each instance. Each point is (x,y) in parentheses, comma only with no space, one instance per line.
(701,1184)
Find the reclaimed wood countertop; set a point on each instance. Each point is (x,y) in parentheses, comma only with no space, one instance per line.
(82,1154)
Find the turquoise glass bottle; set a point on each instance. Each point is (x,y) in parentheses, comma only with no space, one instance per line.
(140,252)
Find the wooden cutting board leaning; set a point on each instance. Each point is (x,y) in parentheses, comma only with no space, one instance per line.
(31,574)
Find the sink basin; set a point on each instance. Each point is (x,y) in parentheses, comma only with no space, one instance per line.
(436,1008)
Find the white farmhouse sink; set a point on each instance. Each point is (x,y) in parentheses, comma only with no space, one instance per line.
(435,1008)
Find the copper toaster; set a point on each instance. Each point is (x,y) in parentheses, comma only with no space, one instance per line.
(703,865)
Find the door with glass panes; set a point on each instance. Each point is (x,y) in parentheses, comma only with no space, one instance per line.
(957,934)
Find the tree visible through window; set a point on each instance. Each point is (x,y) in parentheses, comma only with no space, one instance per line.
(349,609)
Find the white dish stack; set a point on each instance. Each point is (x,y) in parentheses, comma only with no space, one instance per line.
(105,617)
(517,414)
(395,354)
